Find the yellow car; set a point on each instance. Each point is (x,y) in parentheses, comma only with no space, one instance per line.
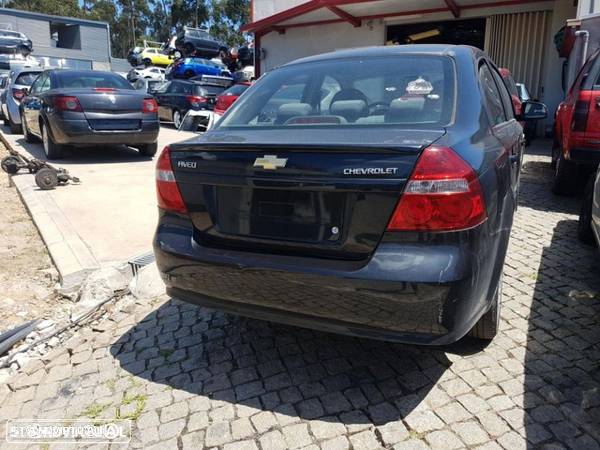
(153,56)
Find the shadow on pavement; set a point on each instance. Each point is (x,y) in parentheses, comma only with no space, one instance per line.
(291,371)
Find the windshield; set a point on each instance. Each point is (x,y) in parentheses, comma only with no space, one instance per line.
(91,80)
(395,90)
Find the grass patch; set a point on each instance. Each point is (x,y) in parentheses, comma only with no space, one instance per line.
(95,410)
(416,435)
(165,353)
(140,404)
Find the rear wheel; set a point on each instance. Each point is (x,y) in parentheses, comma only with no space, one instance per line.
(15,128)
(177,119)
(147,62)
(565,176)
(52,150)
(148,149)
(487,326)
(584,227)
(28,136)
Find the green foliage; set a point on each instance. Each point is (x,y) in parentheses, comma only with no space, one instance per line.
(131,21)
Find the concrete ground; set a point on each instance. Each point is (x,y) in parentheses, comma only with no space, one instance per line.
(193,378)
(109,217)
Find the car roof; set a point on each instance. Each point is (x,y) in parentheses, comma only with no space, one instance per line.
(392,50)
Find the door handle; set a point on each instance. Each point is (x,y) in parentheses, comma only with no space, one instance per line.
(515,159)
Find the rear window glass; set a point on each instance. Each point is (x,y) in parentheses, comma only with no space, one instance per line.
(12,34)
(238,89)
(211,90)
(26,78)
(398,90)
(77,80)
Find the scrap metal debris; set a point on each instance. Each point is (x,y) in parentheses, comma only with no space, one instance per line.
(46,175)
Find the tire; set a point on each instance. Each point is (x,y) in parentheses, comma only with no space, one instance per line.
(565,176)
(52,150)
(148,149)
(15,128)
(46,179)
(177,118)
(10,164)
(584,226)
(487,326)
(147,62)
(28,136)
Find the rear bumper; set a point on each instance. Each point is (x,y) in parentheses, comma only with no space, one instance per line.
(585,156)
(78,132)
(411,293)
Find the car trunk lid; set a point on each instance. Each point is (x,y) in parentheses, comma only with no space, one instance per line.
(311,198)
(110,109)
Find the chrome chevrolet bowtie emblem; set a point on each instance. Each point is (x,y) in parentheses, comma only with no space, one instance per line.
(270,162)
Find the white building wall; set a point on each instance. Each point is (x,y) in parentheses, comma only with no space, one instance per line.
(587,7)
(265,8)
(307,41)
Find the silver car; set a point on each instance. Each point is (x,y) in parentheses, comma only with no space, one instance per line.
(10,99)
(3,83)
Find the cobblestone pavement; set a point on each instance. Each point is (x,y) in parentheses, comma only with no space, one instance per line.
(194,378)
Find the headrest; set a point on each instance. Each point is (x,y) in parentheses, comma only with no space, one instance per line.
(349,109)
(289,110)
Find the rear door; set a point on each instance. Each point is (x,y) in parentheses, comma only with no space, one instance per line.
(504,125)
(592,85)
(32,103)
(163,96)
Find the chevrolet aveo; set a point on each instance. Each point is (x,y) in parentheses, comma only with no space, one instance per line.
(367,192)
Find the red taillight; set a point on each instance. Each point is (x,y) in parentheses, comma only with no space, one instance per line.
(67,103)
(581,112)
(442,194)
(167,191)
(101,89)
(149,105)
(196,100)
(18,94)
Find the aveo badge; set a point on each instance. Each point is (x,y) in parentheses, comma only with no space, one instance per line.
(270,162)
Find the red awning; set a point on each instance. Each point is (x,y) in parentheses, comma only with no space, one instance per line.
(322,12)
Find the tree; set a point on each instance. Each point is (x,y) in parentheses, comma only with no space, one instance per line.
(68,8)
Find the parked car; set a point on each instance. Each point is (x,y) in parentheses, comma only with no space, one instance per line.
(576,149)
(197,41)
(191,67)
(226,99)
(10,99)
(14,42)
(152,73)
(589,215)
(148,86)
(176,97)
(148,56)
(86,108)
(3,84)
(381,211)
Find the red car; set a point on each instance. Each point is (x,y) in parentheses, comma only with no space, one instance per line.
(226,99)
(576,149)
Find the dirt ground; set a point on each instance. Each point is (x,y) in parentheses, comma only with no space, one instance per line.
(27,275)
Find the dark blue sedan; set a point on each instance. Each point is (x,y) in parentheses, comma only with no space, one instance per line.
(367,192)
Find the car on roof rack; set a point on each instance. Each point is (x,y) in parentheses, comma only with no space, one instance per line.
(197,41)
(14,42)
(193,66)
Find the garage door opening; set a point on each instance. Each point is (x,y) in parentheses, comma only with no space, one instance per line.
(466,32)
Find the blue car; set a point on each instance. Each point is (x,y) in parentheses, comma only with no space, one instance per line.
(368,192)
(191,67)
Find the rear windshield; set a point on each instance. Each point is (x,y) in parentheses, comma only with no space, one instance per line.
(397,90)
(13,34)
(238,89)
(91,80)
(210,90)
(26,78)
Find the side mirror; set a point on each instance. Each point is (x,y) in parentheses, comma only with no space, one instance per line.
(533,111)
(25,91)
